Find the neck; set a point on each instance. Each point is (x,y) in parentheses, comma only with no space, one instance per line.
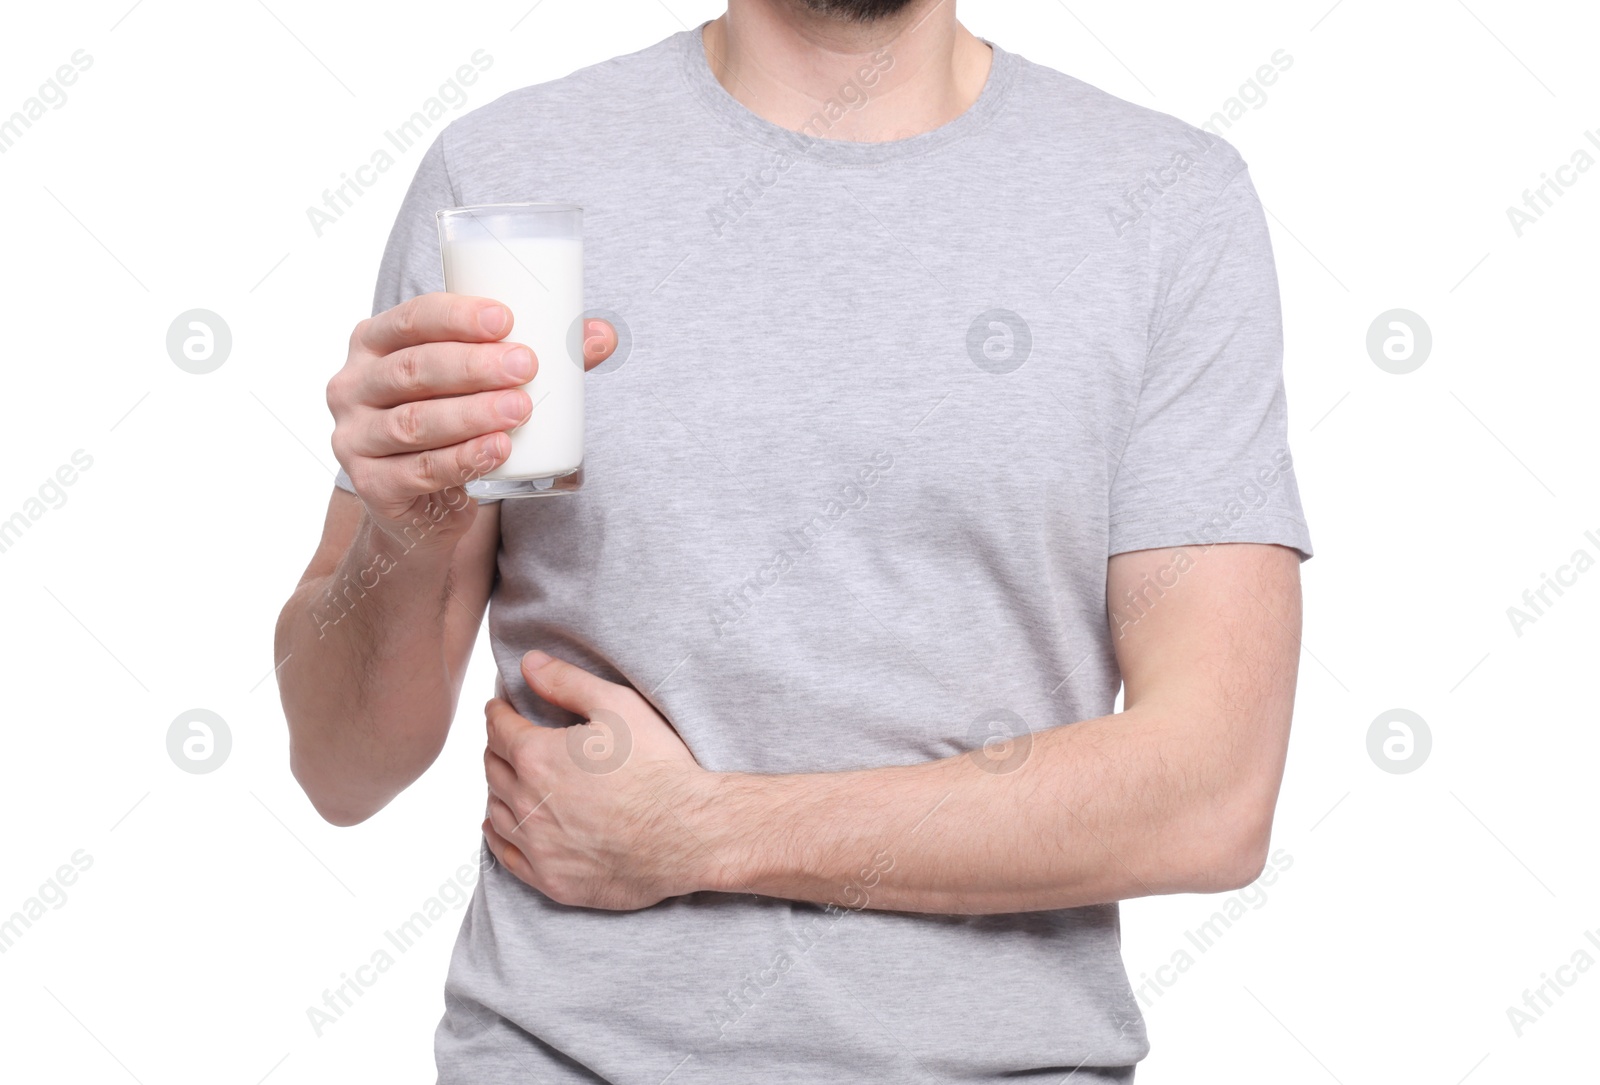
(891,78)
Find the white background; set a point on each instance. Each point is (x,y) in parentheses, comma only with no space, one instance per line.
(218,907)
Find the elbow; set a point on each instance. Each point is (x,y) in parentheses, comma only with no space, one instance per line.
(1247,857)
(1234,853)
(342,816)
(346,789)
(332,804)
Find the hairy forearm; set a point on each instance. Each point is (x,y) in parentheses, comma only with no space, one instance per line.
(1122,806)
(364,677)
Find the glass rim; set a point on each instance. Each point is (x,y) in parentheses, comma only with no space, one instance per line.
(532,206)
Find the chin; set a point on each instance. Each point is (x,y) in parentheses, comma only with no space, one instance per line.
(856,11)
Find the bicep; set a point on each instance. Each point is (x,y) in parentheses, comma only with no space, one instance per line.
(1211,635)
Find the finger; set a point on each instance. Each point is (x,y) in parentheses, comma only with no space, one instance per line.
(434,318)
(507,728)
(599,342)
(508,854)
(503,818)
(569,687)
(436,423)
(400,479)
(501,776)
(427,370)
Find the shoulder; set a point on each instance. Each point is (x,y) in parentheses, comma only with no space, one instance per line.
(571,107)
(1137,161)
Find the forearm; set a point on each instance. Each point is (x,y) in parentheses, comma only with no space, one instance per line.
(1106,809)
(364,675)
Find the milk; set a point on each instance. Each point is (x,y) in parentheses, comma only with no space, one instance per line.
(540,279)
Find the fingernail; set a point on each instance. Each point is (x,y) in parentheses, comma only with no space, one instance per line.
(518,362)
(495,320)
(513,406)
(534,660)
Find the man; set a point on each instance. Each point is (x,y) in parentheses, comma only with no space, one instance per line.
(954,400)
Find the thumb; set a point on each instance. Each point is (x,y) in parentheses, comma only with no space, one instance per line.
(566,686)
(599,342)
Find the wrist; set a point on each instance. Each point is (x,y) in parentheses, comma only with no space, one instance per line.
(728,825)
(426,548)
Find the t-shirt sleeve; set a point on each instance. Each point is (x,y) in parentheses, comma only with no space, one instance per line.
(1207,457)
(410,264)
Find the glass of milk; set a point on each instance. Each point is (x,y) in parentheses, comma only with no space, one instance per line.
(529,257)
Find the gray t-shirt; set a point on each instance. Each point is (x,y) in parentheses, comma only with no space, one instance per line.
(881,413)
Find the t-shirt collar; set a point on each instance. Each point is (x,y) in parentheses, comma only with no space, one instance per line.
(751,126)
